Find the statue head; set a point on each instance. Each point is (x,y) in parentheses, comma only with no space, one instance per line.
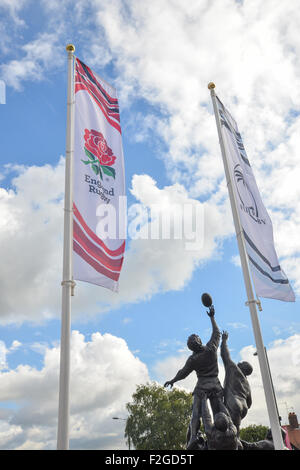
(221,421)
(194,343)
(245,367)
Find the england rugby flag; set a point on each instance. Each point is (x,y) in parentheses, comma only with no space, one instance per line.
(268,277)
(99,186)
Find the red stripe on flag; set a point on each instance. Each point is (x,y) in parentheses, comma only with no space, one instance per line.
(98,267)
(119,251)
(110,108)
(79,66)
(82,86)
(80,237)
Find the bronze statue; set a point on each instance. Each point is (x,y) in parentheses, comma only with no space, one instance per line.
(204,362)
(229,404)
(237,393)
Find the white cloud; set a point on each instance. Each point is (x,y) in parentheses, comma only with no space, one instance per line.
(284,359)
(31,248)
(15,345)
(104,374)
(11,24)
(238,325)
(236,260)
(39,56)
(160,265)
(13,7)
(31,232)
(3,353)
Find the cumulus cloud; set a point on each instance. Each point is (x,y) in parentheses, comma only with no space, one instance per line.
(38,57)
(168,262)
(284,359)
(13,7)
(3,353)
(31,245)
(31,232)
(104,374)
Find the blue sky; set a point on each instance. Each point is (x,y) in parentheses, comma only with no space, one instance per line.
(161,58)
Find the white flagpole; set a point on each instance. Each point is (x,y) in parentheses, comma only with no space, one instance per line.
(67,282)
(266,379)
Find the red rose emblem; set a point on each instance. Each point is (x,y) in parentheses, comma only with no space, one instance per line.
(100,156)
(96,144)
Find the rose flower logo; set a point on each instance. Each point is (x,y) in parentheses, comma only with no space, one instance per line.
(100,156)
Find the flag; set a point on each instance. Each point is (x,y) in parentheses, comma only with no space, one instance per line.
(268,277)
(99,215)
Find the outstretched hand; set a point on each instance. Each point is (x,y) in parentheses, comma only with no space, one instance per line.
(224,335)
(169,383)
(211,311)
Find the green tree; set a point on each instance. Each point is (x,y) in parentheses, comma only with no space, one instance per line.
(253,433)
(158,418)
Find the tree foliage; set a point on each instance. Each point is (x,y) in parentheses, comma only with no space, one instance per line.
(254,433)
(158,418)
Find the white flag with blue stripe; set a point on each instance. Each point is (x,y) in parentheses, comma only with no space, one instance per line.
(268,277)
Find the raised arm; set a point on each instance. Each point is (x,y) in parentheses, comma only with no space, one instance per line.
(225,354)
(214,341)
(181,374)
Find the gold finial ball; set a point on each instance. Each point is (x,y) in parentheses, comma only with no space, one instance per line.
(211,86)
(70,48)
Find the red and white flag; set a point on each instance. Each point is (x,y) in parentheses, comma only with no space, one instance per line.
(99,182)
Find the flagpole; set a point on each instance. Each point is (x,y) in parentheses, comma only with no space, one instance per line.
(67,282)
(252,302)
